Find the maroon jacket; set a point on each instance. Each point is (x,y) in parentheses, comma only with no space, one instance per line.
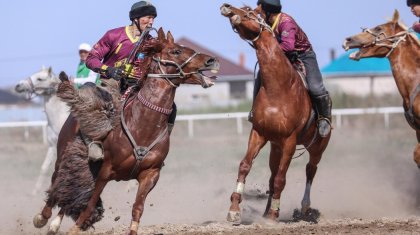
(111,50)
(416,27)
(292,36)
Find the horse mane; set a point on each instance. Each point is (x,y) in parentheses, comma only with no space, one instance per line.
(406,28)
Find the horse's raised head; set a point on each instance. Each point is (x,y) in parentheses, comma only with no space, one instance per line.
(378,41)
(182,64)
(245,21)
(39,83)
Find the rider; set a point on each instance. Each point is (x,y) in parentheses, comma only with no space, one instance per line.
(111,52)
(415,9)
(83,73)
(295,44)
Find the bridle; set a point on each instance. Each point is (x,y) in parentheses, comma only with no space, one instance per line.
(255,17)
(378,41)
(180,74)
(34,91)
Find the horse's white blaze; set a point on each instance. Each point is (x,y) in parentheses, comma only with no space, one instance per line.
(55,224)
(240,187)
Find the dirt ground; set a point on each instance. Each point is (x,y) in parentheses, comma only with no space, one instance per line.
(367,183)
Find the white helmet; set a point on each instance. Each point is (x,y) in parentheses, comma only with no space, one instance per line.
(84,47)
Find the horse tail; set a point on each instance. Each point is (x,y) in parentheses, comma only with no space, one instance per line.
(75,183)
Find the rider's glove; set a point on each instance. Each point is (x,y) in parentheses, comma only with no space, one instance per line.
(115,73)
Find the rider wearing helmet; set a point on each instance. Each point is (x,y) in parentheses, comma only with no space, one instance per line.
(295,44)
(111,52)
(415,9)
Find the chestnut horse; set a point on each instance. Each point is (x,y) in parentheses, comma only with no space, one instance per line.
(393,41)
(146,117)
(283,115)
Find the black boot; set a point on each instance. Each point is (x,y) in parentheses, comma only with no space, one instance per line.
(323,105)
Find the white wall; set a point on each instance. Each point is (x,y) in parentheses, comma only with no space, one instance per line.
(362,85)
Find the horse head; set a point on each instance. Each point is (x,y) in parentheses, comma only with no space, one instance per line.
(245,21)
(378,41)
(179,64)
(39,83)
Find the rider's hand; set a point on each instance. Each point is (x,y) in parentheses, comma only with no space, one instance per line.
(115,73)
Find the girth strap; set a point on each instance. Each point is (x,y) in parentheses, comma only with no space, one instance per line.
(140,152)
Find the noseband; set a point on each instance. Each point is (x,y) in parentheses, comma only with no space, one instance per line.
(33,91)
(259,20)
(378,41)
(168,77)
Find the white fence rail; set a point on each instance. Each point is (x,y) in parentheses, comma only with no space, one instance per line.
(240,117)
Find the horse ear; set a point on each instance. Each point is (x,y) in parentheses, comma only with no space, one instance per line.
(161,35)
(170,37)
(396,16)
(49,70)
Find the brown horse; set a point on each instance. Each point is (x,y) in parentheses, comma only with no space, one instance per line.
(146,116)
(394,41)
(283,114)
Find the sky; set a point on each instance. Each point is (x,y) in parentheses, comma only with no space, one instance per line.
(48,32)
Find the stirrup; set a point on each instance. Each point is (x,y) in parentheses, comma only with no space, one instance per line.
(95,151)
(325,131)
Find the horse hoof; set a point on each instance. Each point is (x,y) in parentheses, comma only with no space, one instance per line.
(234,217)
(54,226)
(40,221)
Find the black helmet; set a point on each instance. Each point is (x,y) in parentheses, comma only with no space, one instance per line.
(142,8)
(270,6)
(413,2)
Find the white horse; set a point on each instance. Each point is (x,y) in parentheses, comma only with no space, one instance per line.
(44,84)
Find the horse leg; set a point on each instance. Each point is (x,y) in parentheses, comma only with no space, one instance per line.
(147,181)
(255,143)
(315,155)
(44,169)
(275,153)
(417,150)
(287,151)
(56,223)
(41,219)
(100,184)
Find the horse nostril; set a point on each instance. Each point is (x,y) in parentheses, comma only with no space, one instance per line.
(349,39)
(226,5)
(210,61)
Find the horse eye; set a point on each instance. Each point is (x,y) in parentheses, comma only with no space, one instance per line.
(378,29)
(176,52)
(39,79)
